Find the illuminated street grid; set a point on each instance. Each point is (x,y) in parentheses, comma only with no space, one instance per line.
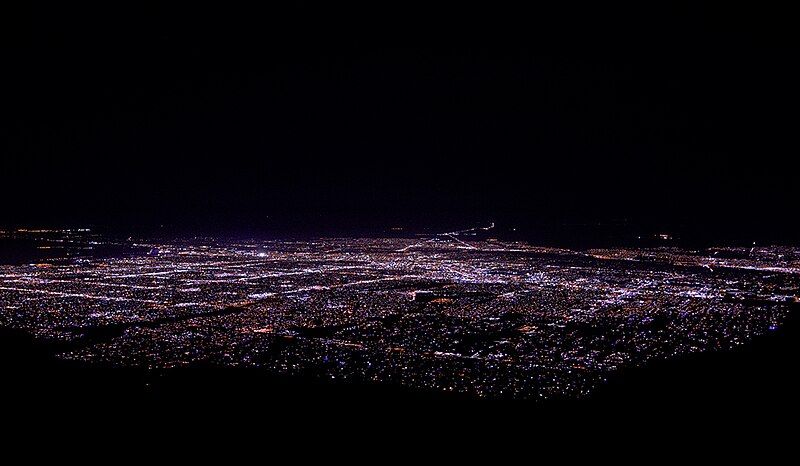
(449,313)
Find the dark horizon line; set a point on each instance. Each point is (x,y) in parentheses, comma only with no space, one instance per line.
(615,231)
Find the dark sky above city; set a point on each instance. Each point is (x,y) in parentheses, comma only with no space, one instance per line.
(358,119)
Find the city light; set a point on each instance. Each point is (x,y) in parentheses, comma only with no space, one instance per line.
(451,313)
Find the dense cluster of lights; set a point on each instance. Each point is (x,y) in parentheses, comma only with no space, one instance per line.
(449,313)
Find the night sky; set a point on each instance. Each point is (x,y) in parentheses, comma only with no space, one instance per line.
(358,120)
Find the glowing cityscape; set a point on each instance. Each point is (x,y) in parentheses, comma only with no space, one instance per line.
(455,312)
